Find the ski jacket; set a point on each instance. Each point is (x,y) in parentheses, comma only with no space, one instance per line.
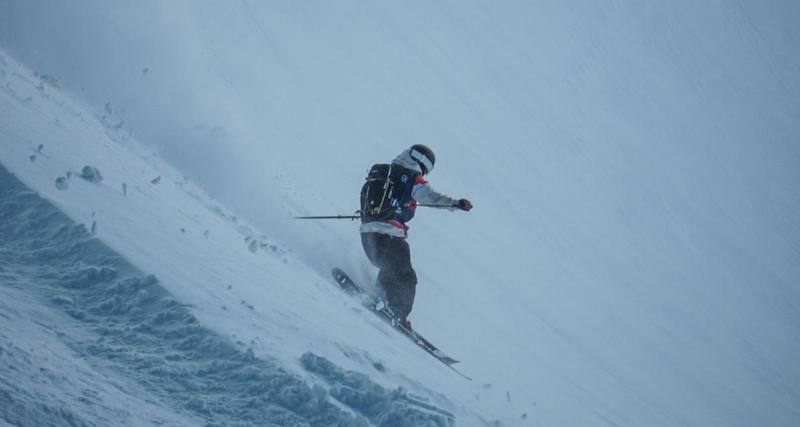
(421,192)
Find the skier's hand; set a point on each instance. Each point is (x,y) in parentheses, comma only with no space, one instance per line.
(464,205)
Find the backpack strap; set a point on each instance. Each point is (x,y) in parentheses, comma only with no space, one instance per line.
(386,189)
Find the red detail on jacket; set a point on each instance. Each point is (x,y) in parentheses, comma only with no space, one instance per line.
(396,223)
(419,181)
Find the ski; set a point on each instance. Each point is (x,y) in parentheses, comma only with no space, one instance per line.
(377,306)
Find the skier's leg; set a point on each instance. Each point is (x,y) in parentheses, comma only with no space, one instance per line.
(372,247)
(375,246)
(398,277)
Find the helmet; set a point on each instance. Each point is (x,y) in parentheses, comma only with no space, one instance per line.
(423,156)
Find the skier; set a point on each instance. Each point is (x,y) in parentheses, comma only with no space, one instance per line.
(388,201)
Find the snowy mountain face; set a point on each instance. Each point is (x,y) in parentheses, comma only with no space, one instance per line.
(633,257)
(228,328)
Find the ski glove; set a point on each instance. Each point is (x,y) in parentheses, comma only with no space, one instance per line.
(464,205)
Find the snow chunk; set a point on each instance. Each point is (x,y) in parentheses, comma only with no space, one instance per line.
(61,183)
(91,174)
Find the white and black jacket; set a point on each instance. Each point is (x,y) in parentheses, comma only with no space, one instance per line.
(422,193)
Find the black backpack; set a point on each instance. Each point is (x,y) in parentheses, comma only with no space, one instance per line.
(386,193)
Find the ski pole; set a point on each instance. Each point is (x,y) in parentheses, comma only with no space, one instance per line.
(357,216)
(437,206)
(353,217)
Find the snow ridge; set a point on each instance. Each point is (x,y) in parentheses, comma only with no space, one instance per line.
(125,325)
(381,406)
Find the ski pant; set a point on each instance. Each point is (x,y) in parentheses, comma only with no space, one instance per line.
(396,276)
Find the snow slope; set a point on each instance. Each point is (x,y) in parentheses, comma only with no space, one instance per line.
(219,347)
(633,255)
(86,323)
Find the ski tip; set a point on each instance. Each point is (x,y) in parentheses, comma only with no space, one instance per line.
(445,358)
(339,275)
(345,282)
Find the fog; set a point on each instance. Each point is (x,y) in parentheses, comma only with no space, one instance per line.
(627,160)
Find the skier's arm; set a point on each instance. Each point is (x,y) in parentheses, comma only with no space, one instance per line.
(423,193)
